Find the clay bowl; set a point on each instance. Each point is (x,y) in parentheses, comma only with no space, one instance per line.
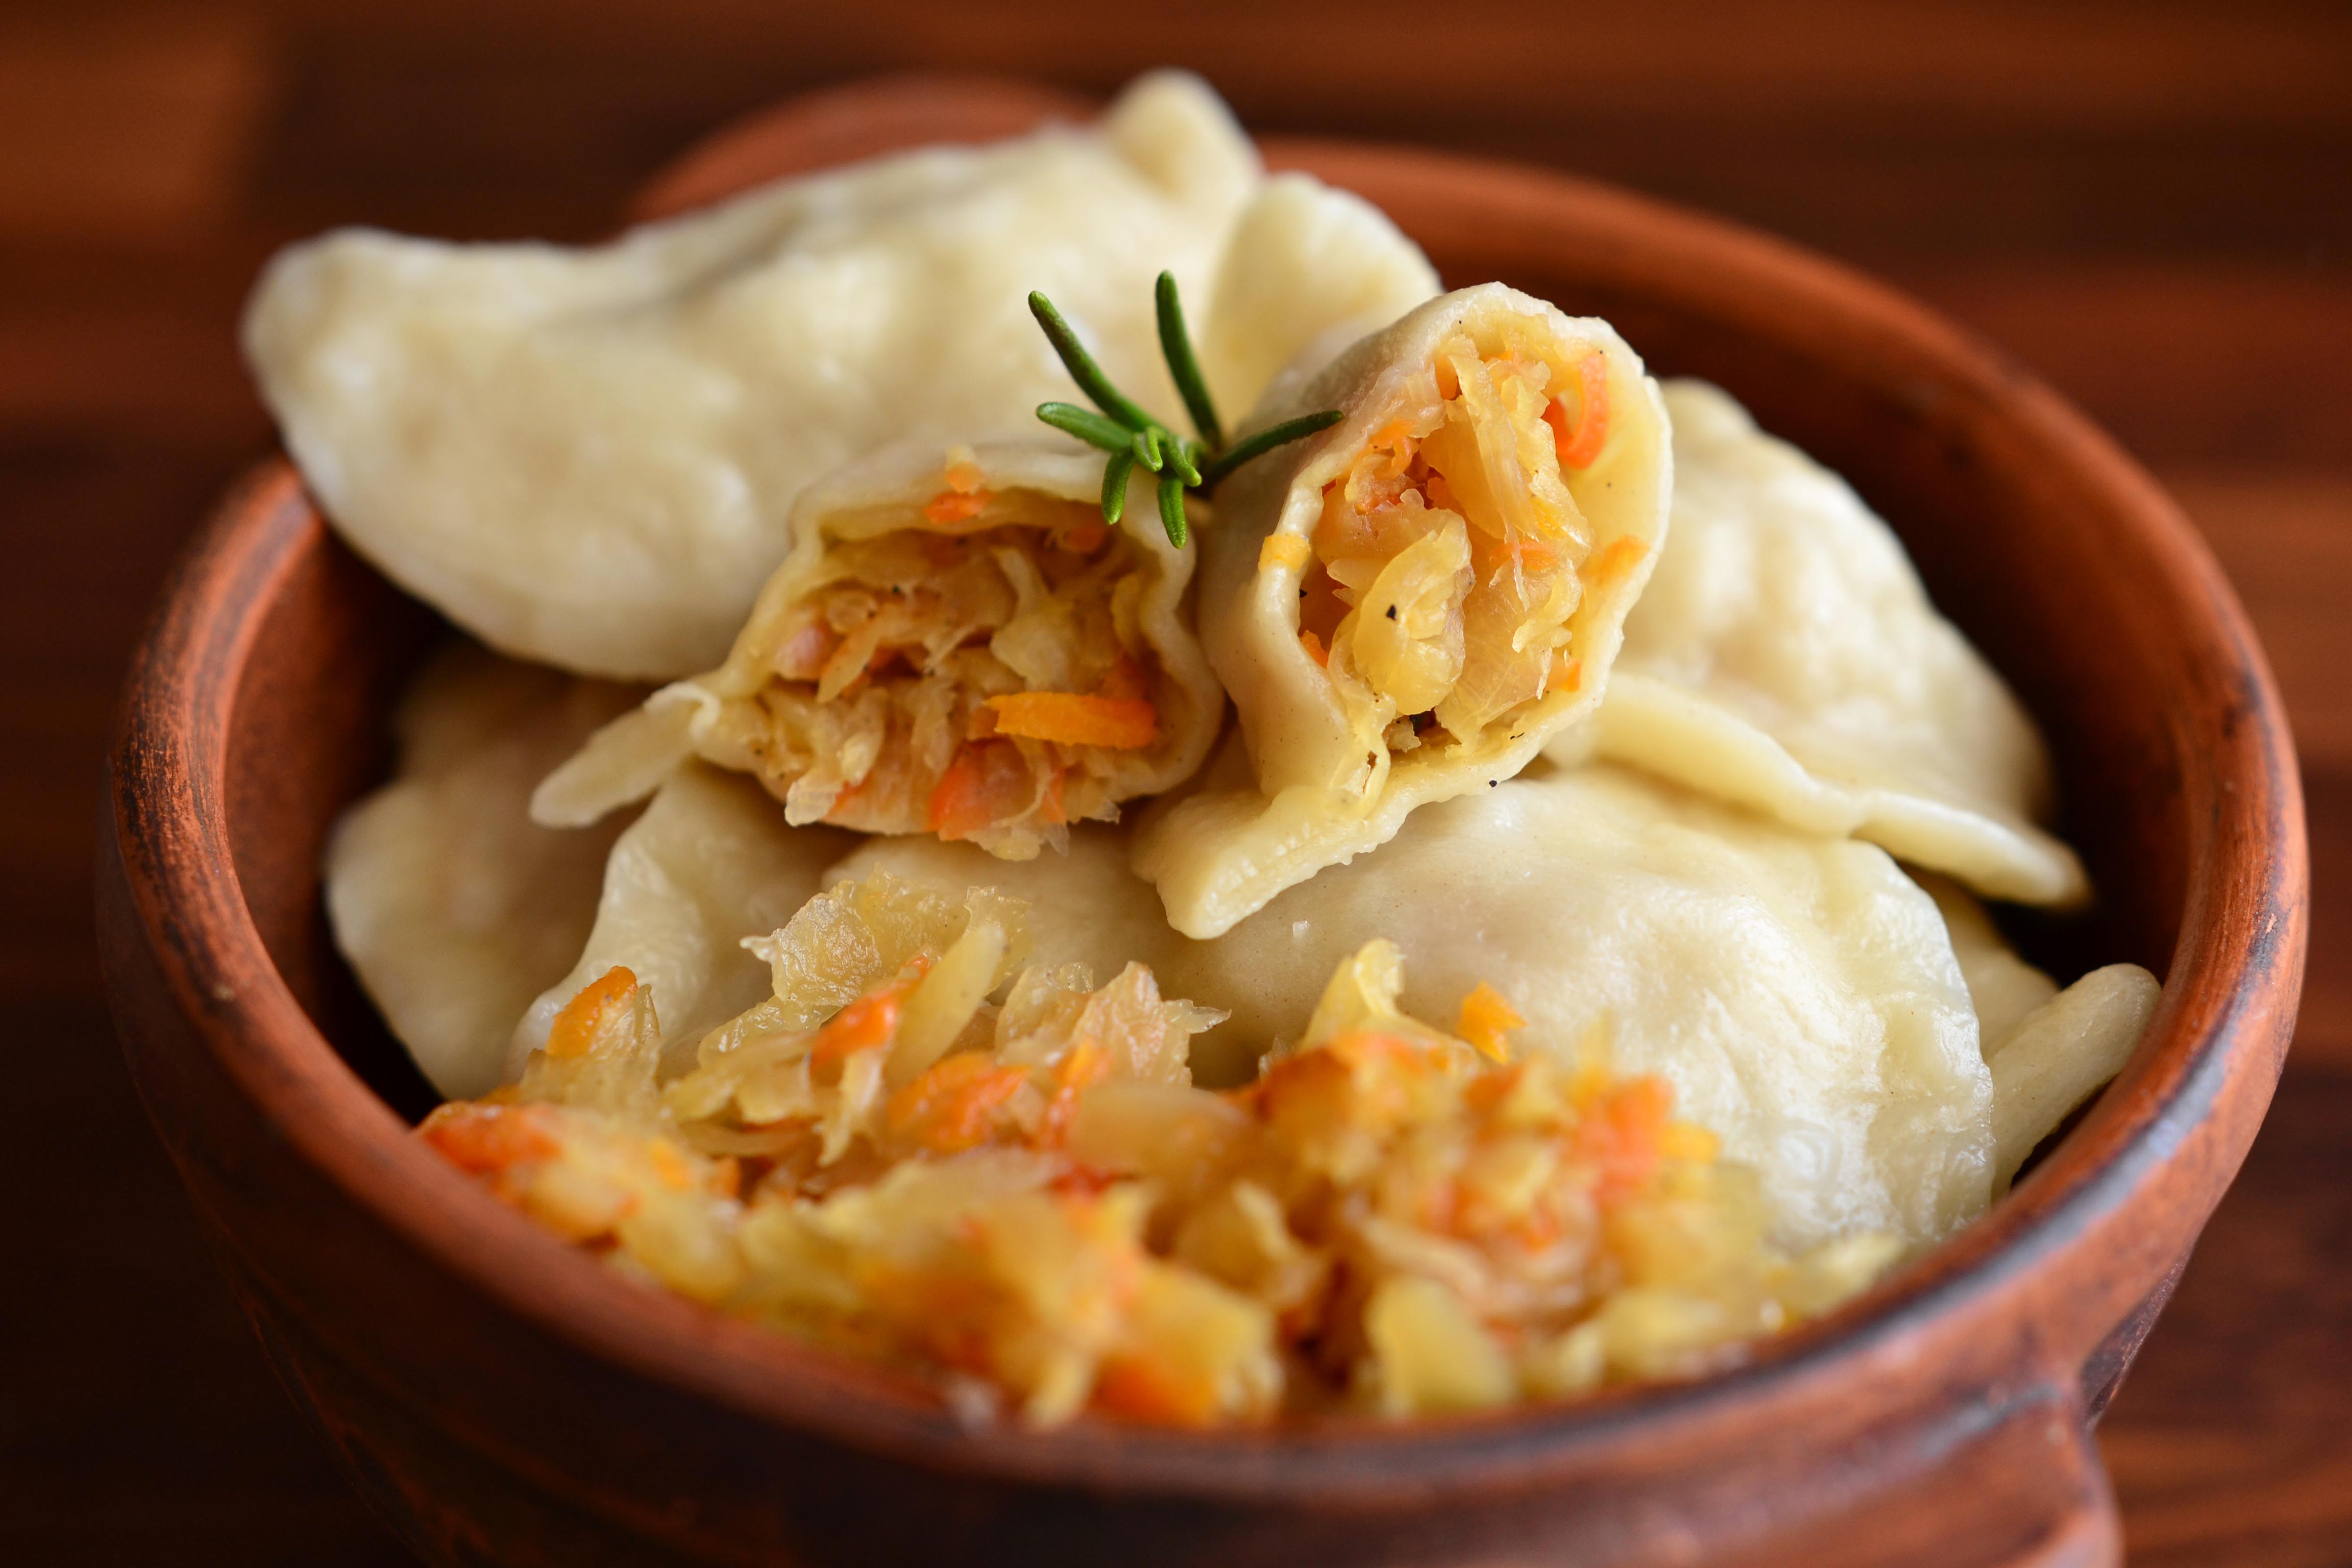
(504,1399)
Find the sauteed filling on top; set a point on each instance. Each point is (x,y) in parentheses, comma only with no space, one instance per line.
(925,1149)
(977,671)
(1440,582)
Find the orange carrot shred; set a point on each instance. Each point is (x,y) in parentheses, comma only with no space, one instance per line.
(1485,1019)
(951,1106)
(1084,539)
(1068,719)
(574,1031)
(988,782)
(951,507)
(484,1139)
(1580,445)
(965,478)
(1315,648)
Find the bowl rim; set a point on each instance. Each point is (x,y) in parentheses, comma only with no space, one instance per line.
(2236,962)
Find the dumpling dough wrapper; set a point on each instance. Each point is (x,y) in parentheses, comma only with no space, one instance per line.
(1785,656)
(1411,604)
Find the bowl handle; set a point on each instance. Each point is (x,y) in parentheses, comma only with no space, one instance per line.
(2016,1481)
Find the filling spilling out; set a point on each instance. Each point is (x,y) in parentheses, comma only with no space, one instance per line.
(1441,579)
(999,1175)
(973,668)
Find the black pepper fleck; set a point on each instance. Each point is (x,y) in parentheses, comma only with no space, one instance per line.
(1392,611)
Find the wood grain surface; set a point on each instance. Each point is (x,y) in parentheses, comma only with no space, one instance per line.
(2149,202)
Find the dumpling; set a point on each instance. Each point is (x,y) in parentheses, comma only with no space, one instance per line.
(1785,656)
(707,863)
(454,909)
(1309,270)
(1799,993)
(2050,1050)
(1410,606)
(957,646)
(1084,906)
(587,457)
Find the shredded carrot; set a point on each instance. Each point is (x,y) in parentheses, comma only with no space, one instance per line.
(1567,673)
(1580,445)
(1085,1065)
(1441,494)
(950,1108)
(964,477)
(951,507)
(1141,1389)
(1083,539)
(1395,438)
(1621,1133)
(1068,719)
(671,1166)
(574,1031)
(1485,1019)
(1315,648)
(870,1020)
(484,1139)
(988,782)
(1618,557)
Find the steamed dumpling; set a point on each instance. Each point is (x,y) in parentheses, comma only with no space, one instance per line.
(1799,993)
(453,908)
(1786,656)
(586,456)
(707,863)
(957,646)
(2050,1050)
(1411,604)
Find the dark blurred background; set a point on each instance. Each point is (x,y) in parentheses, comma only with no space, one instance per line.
(2149,202)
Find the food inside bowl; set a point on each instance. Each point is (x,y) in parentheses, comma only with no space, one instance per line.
(1504,924)
(1031,1199)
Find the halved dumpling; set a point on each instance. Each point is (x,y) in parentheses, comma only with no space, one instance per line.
(1786,656)
(958,646)
(1411,605)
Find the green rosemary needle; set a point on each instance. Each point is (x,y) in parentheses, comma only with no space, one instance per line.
(1134,439)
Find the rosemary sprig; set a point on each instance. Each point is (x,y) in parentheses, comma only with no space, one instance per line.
(1134,437)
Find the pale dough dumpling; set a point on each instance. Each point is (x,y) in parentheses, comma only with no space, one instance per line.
(958,646)
(1411,604)
(2050,1050)
(453,908)
(1799,993)
(587,456)
(1785,656)
(1085,906)
(707,863)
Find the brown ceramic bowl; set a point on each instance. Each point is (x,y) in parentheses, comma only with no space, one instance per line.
(506,1399)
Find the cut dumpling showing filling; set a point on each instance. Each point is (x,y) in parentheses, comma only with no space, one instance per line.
(588,456)
(1410,607)
(453,908)
(1799,993)
(707,864)
(2050,1050)
(1785,656)
(957,646)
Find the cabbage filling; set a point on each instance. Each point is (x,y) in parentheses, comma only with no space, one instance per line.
(1449,560)
(974,668)
(998,1174)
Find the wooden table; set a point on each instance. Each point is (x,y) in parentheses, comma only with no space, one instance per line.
(2149,202)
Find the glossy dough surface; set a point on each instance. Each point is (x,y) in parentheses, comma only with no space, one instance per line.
(587,456)
(1785,656)
(454,909)
(1325,781)
(1799,993)
(707,863)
